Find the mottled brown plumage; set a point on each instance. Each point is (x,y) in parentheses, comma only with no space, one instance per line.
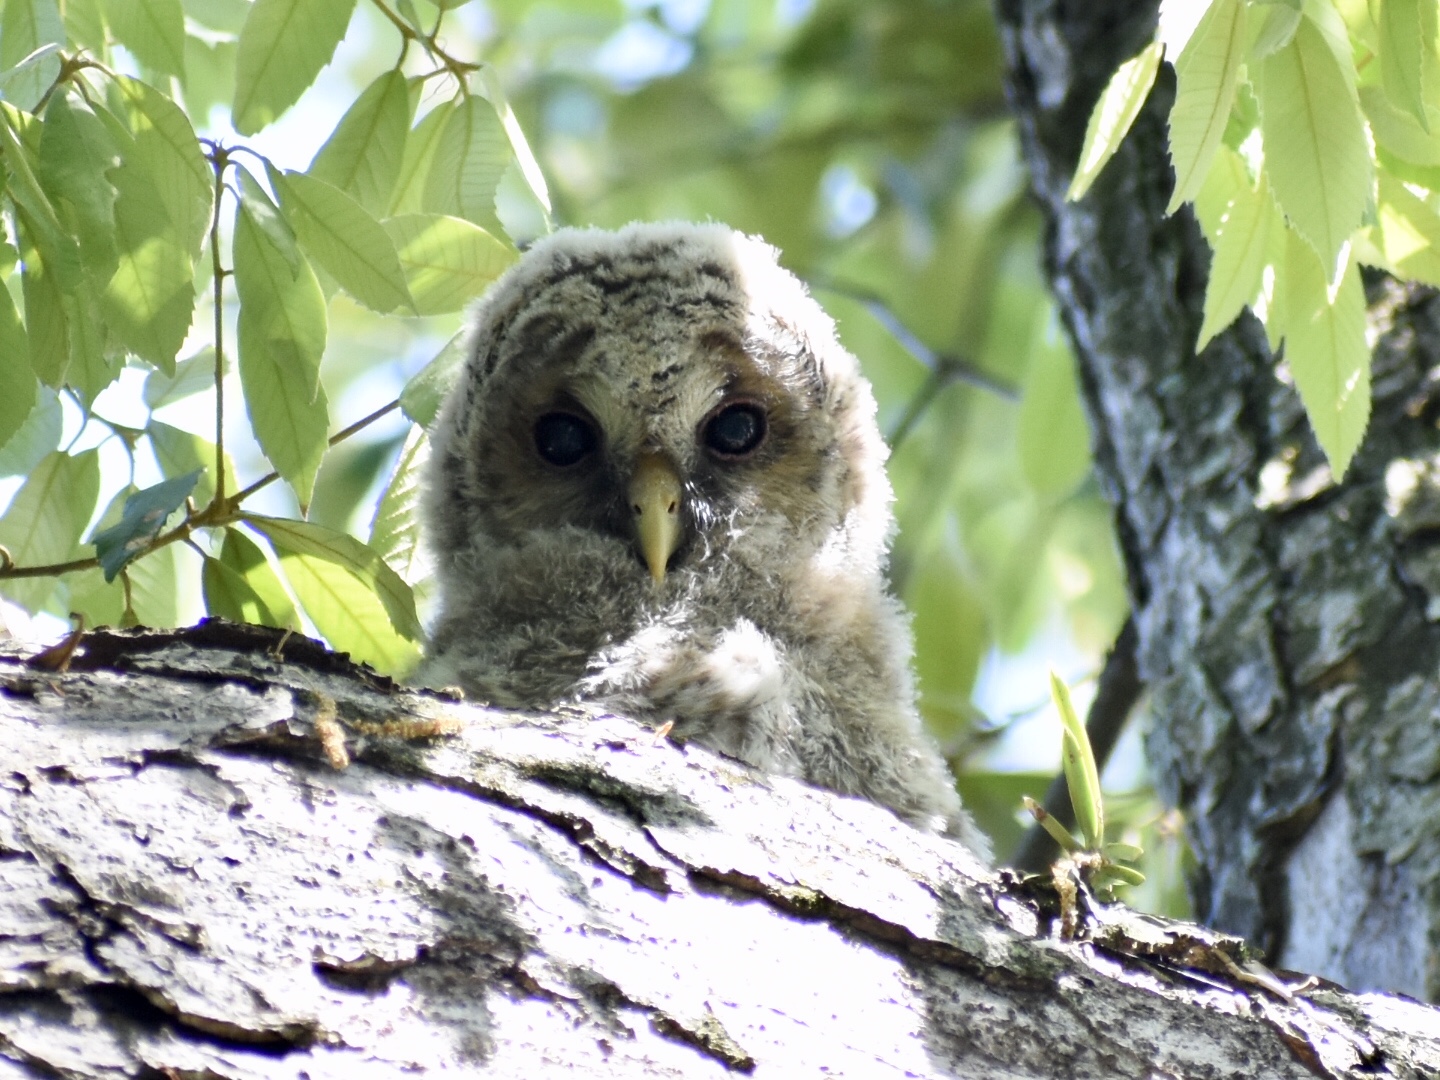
(679,370)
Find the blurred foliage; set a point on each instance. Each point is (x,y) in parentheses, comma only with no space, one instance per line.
(867,139)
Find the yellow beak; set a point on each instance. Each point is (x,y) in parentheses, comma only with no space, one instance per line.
(655,495)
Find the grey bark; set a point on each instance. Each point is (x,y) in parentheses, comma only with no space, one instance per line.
(1287,626)
(190,887)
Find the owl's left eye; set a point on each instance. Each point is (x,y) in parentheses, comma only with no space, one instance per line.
(564,439)
(735,430)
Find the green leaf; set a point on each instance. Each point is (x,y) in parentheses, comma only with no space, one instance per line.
(283,46)
(17,380)
(1241,249)
(154,588)
(1397,132)
(1053,438)
(1330,362)
(40,225)
(425,392)
(362,157)
(1081,775)
(316,541)
(1113,114)
(93,367)
(46,520)
(76,153)
(1281,21)
(395,528)
(192,375)
(350,616)
(85,25)
(952,637)
(1402,53)
(409,197)
(146,513)
(281,331)
(1316,152)
(229,596)
(153,30)
(179,452)
(38,435)
(344,239)
(242,555)
(25,26)
(1409,233)
(469,160)
(447,261)
(45,323)
(1225,181)
(524,157)
(167,150)
(1206,73)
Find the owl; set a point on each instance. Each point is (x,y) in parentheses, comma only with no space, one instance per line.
(658,485)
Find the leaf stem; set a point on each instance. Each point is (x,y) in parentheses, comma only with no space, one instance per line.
(220,161)
(460,69)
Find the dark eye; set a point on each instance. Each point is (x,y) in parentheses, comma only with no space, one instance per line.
(564,438)
(735,431)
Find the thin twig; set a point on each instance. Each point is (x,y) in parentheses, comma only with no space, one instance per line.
(220,161)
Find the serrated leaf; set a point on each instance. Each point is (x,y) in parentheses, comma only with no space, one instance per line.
(1316,153)
(1280,23)
(1409,233)
(1330,362)
(154,588)
(425,392)
(347,613)
(1178,20)
(281,331)
(1226,179)
(229,596)
(17,380)
(447,261)
(45,323)
(362,562)
(145,515)
(93,367)
(1081,775)
(25,26)
(283,46)
(395,528)
(471,156)
(38,435)
(46,519)
(1113,114)
(40,225)
(153,31)
(524,157)
(76,153)
(179,452)
(1397,131)
(344,239)
(193,375)
(1237,269)
(409,197)
(242,555)
(1206,74)
(167,150)
(1402,53)
(363,155)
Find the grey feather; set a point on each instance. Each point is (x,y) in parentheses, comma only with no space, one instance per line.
(771,636)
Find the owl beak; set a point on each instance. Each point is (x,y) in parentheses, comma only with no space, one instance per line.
(655,495)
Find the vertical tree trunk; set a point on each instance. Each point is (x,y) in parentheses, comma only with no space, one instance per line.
(1285,623)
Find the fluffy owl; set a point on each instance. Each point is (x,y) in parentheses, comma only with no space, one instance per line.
(658,485)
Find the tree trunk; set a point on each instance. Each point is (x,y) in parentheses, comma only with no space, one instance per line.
(194,882)
(1286,624)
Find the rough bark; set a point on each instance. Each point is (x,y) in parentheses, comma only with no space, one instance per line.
(1287,625)
(189,886)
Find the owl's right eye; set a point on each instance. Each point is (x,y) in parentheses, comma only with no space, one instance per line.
(564,439)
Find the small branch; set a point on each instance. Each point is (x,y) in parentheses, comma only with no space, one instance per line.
(1119,688)
(220,161)
(459,69)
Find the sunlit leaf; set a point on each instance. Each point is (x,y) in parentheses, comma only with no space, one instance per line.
(409,197)
(343,238)
(1409,232)
(45,521)
(363,154)
(36,437)
(1401,56)
(423,394)
(1239,263)
(348,613)
(1206,74)
(1330,361)
(17,380)
(242,555)
(179,452)
(76,153)
(447,261)
(1278,27)
(229,596)
(143,519)
(45,323)
(529,167)
(395,528)
(357,559)
(93,366)
(153,30)
(1397,131)
(25,26)
(1113,114)
(281,329)
(471,156)
(283,46)
(192,375)
(1315,148)
(1081,775)
(1225,182)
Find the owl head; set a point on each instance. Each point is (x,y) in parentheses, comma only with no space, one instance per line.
(670,394)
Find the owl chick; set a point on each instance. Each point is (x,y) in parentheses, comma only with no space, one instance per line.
(658,485)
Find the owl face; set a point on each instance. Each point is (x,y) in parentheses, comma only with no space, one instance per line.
(646,389)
